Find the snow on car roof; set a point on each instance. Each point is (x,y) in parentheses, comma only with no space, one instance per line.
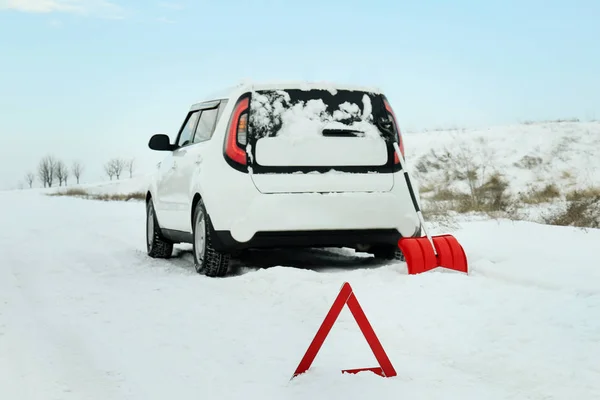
(235,91)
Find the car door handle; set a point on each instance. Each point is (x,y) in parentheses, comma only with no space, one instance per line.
(199,160)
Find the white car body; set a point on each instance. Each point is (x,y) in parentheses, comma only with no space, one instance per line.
(336,203)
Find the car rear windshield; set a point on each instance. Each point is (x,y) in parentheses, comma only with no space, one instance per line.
(302,113)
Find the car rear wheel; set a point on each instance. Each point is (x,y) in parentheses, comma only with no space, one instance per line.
(156,245)
(207,260)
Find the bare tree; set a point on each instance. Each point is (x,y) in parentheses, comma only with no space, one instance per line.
(114,167)
(61,172)
(46,170)
(29,178)
(130,167)
(109,169)
(118,165)
(77,169)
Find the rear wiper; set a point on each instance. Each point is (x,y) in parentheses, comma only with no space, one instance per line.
(343,133)
(385,125)
(383,121)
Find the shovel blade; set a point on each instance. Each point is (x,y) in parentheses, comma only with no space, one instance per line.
(418,253)
(420,256)
(451,254)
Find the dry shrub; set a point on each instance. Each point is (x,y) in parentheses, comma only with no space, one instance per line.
(82,193)
(487,190)
(565,120)
(445,194)
(529,162)
(430,162)
(426,188)
(562,149)
(492,195)
(440,213)
(489,197)
(566,174)
(544,195)
(120,197)
(577,195)
(73,192)
(547,121)
(583,210)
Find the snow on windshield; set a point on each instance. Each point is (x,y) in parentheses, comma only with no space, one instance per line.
(274,113)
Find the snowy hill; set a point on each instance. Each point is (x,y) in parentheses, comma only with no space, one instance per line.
(529,172)
(527,154)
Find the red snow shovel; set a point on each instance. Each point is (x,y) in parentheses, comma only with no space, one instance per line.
(426,253)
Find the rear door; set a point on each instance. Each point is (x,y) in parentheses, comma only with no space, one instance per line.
(189,162)
(318,141)
(169,182)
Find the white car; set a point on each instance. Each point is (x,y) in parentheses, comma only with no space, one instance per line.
(281,165)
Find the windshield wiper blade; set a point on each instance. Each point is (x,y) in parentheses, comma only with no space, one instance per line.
(343,133)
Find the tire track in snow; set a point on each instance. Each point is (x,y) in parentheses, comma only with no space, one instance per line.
(488,269)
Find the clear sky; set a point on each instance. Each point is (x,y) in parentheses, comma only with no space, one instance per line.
(94,79)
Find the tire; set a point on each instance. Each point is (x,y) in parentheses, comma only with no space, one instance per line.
(156,245)
(207,260)
(388,252)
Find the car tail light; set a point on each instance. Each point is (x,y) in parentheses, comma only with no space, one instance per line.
(242,129)
(237,133)
(397,127)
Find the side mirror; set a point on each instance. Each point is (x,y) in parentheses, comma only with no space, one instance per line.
(161,142)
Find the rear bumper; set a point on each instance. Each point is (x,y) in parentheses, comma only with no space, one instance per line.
(223,241)
(243,217)
(340,212)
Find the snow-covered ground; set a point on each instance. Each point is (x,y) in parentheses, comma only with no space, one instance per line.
(85,314)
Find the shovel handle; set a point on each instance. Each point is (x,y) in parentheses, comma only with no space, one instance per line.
(413,196)
(411,190)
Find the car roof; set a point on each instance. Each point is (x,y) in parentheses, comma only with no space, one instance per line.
(233,92)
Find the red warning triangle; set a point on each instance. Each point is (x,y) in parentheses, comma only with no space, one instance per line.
(346,296)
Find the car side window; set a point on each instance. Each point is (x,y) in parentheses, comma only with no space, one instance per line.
(206,125)
(222,106)
(185,137)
